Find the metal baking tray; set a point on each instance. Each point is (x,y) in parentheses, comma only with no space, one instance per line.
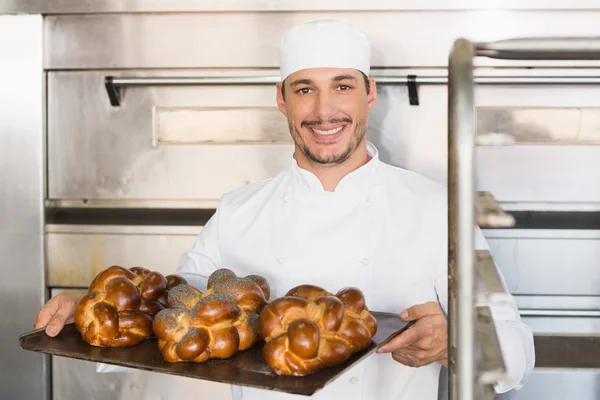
(246,368)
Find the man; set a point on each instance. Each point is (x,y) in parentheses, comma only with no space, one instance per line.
(337,217)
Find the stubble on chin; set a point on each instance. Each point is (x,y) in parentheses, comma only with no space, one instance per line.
(335,159)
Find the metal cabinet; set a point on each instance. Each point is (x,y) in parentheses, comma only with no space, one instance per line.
(552,263)
(558,384)
(555,279)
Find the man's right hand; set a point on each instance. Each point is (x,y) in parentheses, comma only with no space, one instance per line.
(57,312)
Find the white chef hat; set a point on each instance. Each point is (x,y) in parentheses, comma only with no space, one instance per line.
(324,43)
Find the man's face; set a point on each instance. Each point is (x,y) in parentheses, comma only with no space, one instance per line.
(327,111)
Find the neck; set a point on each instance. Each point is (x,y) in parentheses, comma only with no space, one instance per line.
(331,175)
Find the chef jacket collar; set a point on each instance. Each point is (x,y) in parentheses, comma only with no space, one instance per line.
(360,177)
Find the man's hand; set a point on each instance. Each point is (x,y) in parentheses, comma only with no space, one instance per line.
(57,312)
(425,342)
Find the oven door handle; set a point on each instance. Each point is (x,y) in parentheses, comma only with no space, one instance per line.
(526,312)
(115,85)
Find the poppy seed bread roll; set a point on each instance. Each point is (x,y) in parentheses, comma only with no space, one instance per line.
(216,323)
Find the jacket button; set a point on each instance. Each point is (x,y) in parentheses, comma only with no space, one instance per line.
(365,261)
(354,380)
(281,260)
(370,200)
(286,199)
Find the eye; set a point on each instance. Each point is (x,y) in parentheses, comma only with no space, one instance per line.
(344,87)
(303,91)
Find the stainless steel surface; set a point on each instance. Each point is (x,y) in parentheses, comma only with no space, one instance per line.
(144,6)
(489,361)
(132,203)
(171,230)
(489,286)
(494,139)
(560,313)
(558,302)
(549,206)
(489,214)
(542,233)
(219,126)
(251,39)
(115,85)
(123,166)
(23,375)
(192,80)
(564,384)
(76,253)
(563,325)
(399,79)
(554,48)
(75,379)
(101,154)
(555,314)
(461,225)
(537,263)
(540,174)
(548,125)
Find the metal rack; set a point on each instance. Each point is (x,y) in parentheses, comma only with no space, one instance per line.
(476,362)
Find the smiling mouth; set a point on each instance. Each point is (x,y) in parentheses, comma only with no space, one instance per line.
(329,131)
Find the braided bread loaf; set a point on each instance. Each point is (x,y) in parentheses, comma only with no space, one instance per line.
(120,305)
(216,323)
(309,329)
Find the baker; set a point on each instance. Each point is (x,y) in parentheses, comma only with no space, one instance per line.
(339,216)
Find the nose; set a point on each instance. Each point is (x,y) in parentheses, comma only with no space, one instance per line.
(324,107)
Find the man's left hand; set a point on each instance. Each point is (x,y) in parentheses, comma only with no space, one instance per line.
(425,342)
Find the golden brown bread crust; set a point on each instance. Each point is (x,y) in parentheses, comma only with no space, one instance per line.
(216,323)
(309,329)
(118,309)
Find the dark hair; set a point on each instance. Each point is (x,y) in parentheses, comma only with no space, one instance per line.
(365,77)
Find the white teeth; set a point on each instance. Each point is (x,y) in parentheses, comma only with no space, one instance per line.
(329,132)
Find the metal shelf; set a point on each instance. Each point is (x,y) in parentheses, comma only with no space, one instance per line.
(489,286)
(484,392)
(475,358)
(489,362)
(489,213)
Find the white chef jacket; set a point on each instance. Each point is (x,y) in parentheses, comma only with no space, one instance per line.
(383,230)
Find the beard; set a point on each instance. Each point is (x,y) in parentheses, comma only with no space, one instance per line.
(358,134)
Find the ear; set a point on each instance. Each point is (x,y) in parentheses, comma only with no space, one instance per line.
(280,99)
(372,96)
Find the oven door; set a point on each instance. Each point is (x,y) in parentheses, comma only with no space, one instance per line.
(182,146)
(555,279)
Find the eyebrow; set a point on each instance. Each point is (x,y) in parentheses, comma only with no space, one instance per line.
(301,82)
(310,82)
(343,78)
